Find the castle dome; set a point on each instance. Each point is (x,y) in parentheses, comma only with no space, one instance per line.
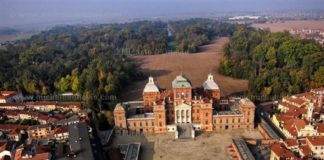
(210,84)
(151,86)
(181,82)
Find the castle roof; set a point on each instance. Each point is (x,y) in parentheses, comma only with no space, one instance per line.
(210,84)
(151,86)
(181,82)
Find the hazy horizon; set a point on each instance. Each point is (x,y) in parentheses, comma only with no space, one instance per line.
(15,13)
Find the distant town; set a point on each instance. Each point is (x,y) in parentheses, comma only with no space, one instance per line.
(43,130)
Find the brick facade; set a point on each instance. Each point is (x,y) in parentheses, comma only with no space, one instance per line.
(201,107)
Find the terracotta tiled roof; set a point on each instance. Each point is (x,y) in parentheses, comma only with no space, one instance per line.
(40,156)
(12,126)
(287,105)
(52,120)
(43,117)
(296,112)
(305,94)
(318,89)
(294,125)
(320,127)
(60,130)
(7,94)
(35,127)
(281,151)
(13,104)
(11,112)
(291,142)
(40,103)
(59,116)
(70,104)
(305,149)
(283,118)
(42,149)
(3,146)
(296,100)
(14,132)
(316,140)
(302,141)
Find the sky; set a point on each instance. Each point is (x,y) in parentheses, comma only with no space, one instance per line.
(33,12)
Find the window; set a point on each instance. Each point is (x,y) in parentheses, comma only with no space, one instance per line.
(146,123)
(134,124)
(239,120)
(160,124)
(220,121)
(160,116)
(233,120)
(226,120)
(206,114)
(140,124)
(248,120)
(152,123)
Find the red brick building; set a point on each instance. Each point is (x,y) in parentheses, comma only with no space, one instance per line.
(183,108)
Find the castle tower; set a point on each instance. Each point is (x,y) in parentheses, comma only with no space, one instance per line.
(159,117)
(206,115)
(247,108)
(151,93)
(120,117)
(310,109)
(211,88)
(182,90)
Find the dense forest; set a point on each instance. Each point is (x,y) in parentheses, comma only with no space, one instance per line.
(276,64)
(96,60)
(190,34)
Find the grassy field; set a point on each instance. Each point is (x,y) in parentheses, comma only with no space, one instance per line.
(287,25)
(165,67)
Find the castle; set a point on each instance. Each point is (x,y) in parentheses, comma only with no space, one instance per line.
(183,110)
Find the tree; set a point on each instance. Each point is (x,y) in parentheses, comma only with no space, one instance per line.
(317,79)
(64,84)
(102,122)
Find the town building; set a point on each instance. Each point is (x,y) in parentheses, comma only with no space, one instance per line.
(316,144)
(301,114)
(279,151)
(301,124)
(43,106)
(10,96)
(79,142)
(40,132)
(183,110)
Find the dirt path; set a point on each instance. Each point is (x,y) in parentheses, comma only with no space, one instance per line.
(165,67)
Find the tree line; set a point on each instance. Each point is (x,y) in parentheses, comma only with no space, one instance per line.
(276,64)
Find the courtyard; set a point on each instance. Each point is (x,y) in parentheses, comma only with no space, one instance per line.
(209,145)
